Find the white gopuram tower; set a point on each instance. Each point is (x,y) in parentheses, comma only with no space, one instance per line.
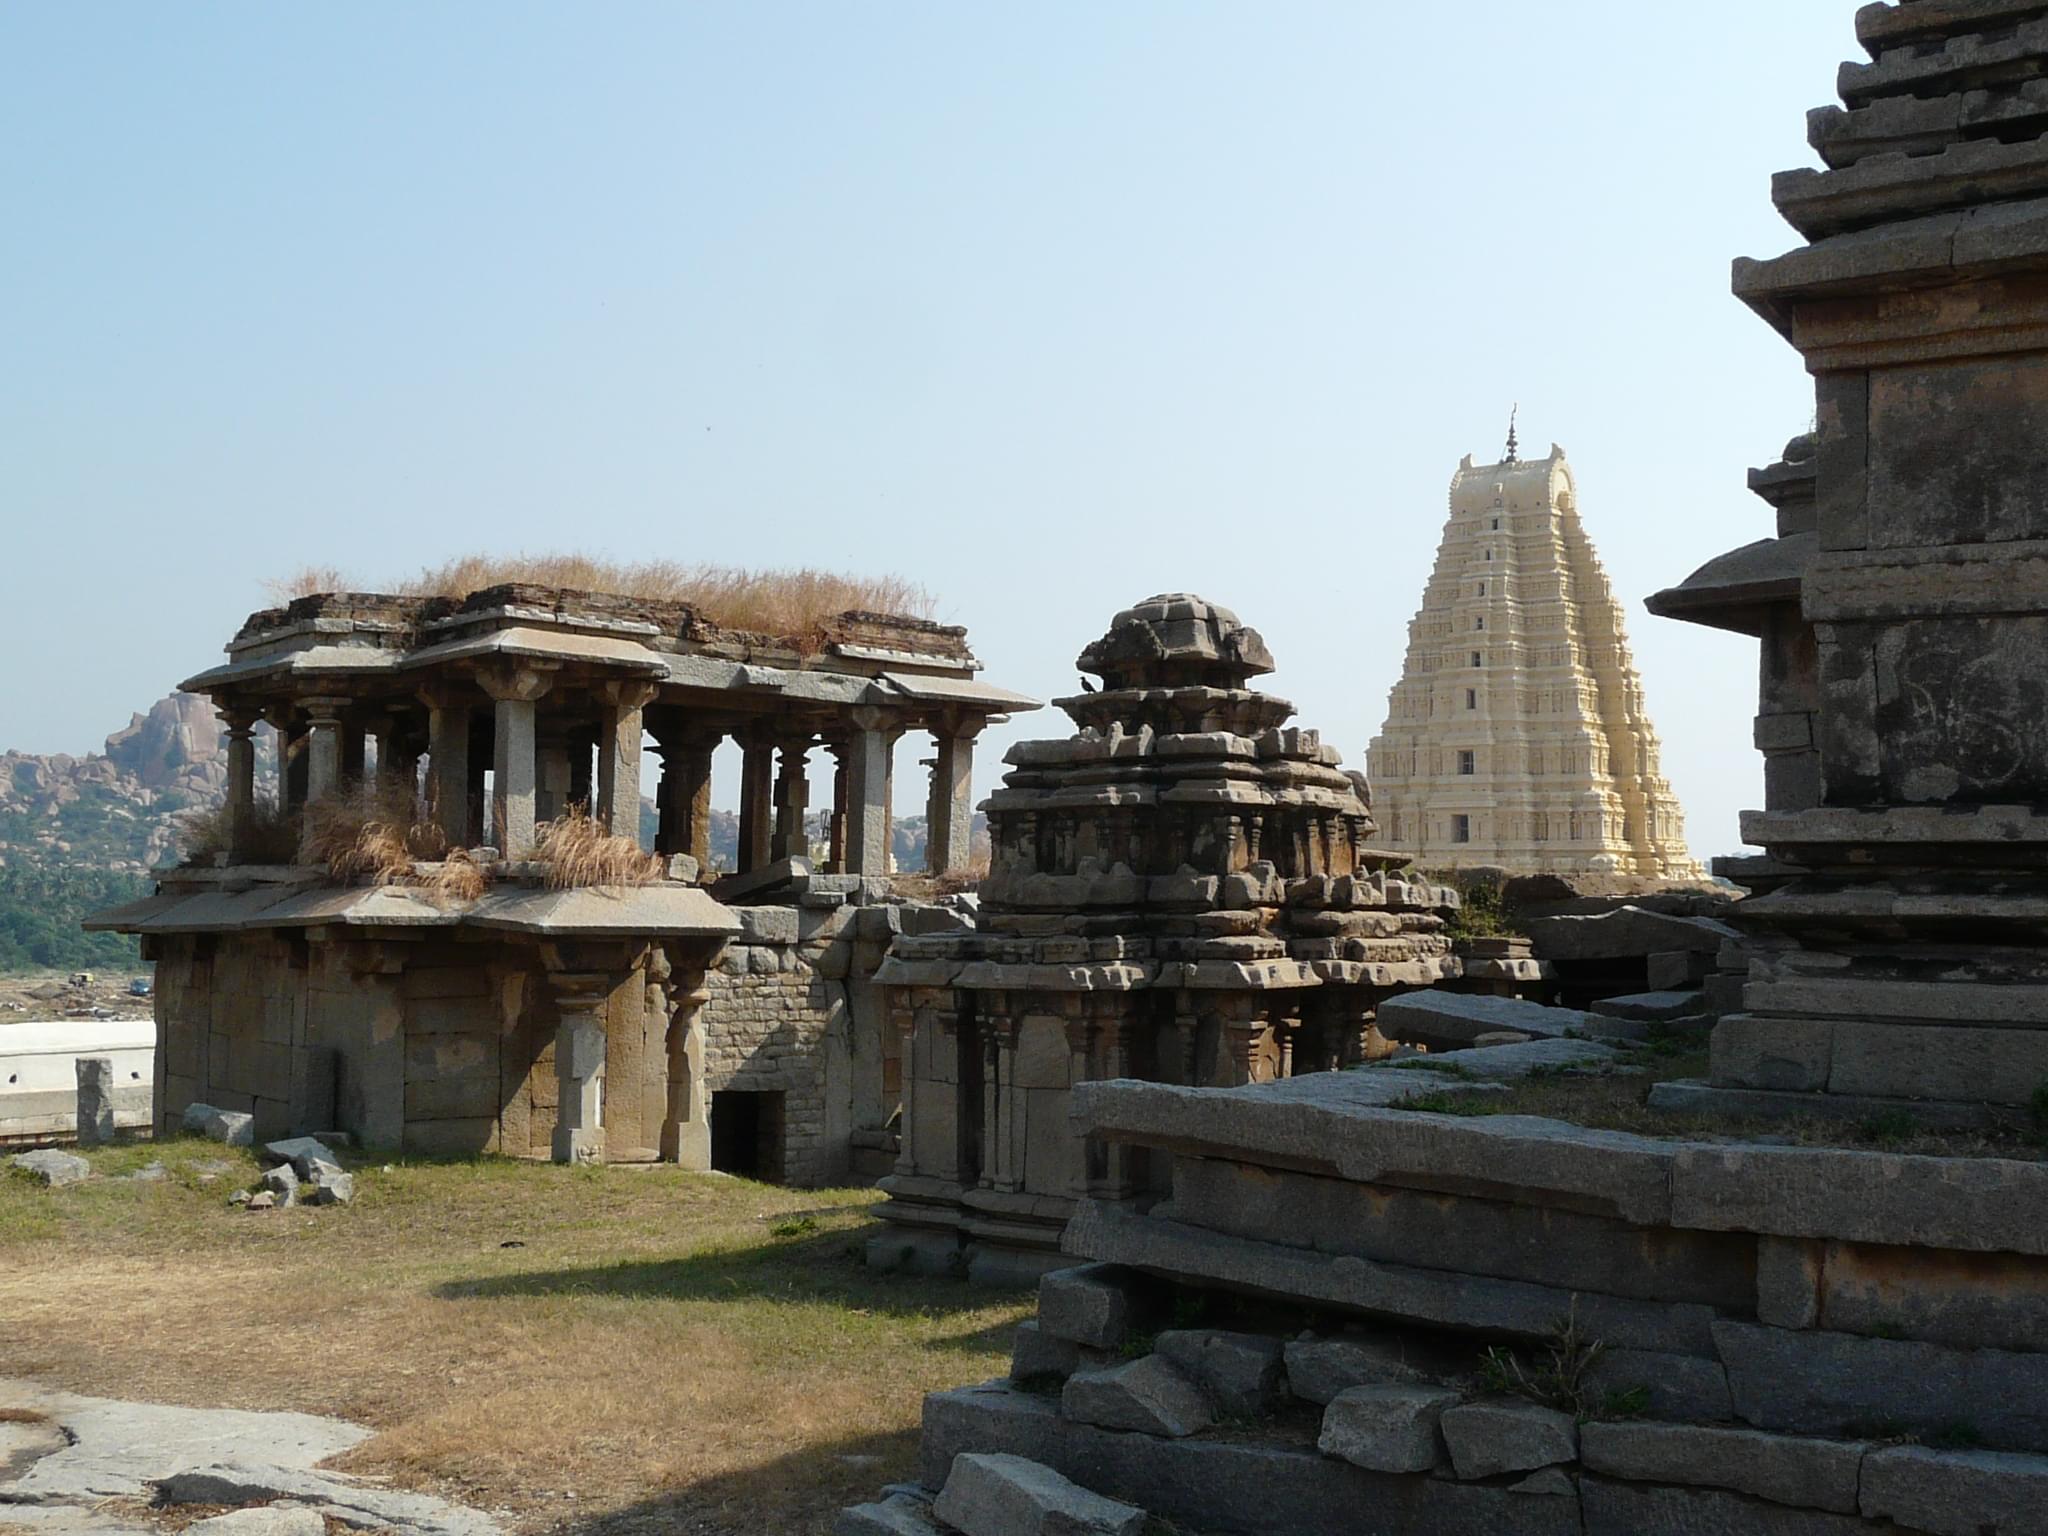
(1517,735)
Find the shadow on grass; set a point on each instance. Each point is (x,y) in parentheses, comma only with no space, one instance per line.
(794,1495)
(824,1270)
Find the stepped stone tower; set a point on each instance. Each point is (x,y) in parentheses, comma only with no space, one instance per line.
(1517,734)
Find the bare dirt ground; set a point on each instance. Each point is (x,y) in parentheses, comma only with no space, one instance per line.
(602,1349)
(52,995)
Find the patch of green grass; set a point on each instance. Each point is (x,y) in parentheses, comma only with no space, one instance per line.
(1470,1105)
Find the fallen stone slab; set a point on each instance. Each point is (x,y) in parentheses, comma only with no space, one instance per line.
(116,1450)
(227,1126)
(1449,1021)
(1036,1355)
(1150,1395)
(51,1167)
(263,1520)
(305,1154)
(1651,1007)
(1239,1371)
(998,1495)
(1531,1058)
(1495,1438)
(1385,1429)
(1786,1469)
(1088,1305)
(1957,1493)
(758,881)
(1625,933)
(899,1514)
(353,1504)
(1685,1096)
(1319,1369)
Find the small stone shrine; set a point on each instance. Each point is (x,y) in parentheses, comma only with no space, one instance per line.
(1186,891)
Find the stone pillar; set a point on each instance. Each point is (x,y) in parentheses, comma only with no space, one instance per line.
(686,1131)
(324,750)
(579,1065)
(835,848)
(293,744)
(354,755)
(448,723)
(618,758)
(951,821)
(95,1100)
(551,778)
(513,757)
(868,760)
(757,791)
(241,784)
(792,800)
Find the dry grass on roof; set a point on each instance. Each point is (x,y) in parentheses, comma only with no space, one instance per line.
(768,602)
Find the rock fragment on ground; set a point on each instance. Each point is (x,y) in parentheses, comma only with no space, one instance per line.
(1149,1395)
(997,1495)
(1385,1429)
(230,1127)
(51,1167)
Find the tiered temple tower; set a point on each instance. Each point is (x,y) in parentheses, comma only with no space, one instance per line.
(1517,734)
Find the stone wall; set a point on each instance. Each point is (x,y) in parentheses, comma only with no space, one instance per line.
(1509,1324)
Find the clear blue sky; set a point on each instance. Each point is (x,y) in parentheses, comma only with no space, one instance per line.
(1048,305)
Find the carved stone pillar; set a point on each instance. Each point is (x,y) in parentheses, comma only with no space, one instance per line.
(618,757)
(869,766)
(757,795)
(241,784)
(515,688)
(323,752)
(951,815)
(836,837)
(448,727)
(686,1131)
(792,800)
(579,1065)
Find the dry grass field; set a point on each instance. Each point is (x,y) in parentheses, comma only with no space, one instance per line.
(603,1349)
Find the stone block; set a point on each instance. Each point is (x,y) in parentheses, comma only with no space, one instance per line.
(1804,1473)
(1149,1395)
(229,1127)
(263,1520)
(1788,1281)
(1675,1386)
(1452,1020)
(1651,1007)
(766,925)
(1957,1493)
(50,1167)
(1239,1371)
(1939,1061)
(1385,1429)
(999,1495)
(1043,1058)
(1780,1055)
(1625,933)
(1626,1509)
(1971,1203)
(1320,1369)
(1088,1305)
(1676,970)
(1820,1383)
(1973,1301)
(1493,1438)
(1036,1355)
(282,1182)
(95,1078)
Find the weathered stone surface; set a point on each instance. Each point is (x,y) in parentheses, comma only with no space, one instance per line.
(263,1520)
(1625,933)
(1978,1204)
(334,1188)
(1674,1386)
(1086,1305)
(227,1126)
(1651,1007)
(1624,1509)
(1491,1438)
(306,1154)
(766,925)
(1973,1301)
(1386,1428)
(282,1183)
(95,1100)
(897,1515)
(51,1167)
(1150,1395)
(997,1495)
(352,1503)
(1805,1473)
(1036,1355)
(1239,1371)
(1820,1383)
(1788,1280)
(1957,1493)
(1319,1369)
(1780,1055)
